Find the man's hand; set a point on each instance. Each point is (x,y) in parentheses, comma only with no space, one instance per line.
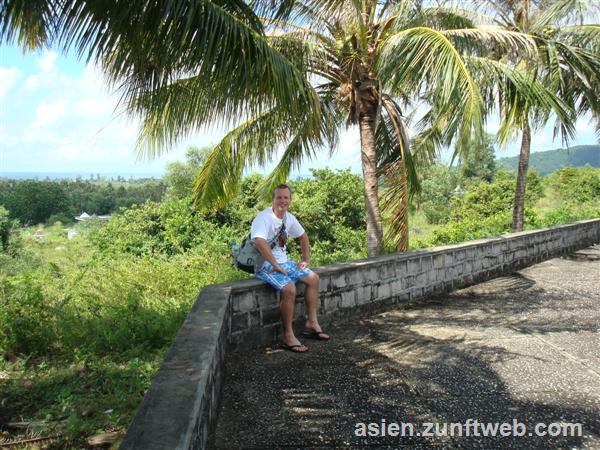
(278,268)
(302,265)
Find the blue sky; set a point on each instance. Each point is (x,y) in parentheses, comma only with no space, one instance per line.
(57,115)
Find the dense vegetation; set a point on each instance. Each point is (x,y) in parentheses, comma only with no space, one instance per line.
(549,161)
(86,321)
(39,201)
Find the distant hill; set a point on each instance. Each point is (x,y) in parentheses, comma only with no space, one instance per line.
(549,161)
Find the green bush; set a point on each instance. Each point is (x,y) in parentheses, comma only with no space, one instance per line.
(27,323)
(9,238)
(478,228)
(169,228)
(472,228)
(485,199)
(240,212)
(330,207)
(437,189)
(110,304)
(568,214)
(62,218)
(576,185)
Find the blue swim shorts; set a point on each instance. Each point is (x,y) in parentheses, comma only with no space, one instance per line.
(279,280)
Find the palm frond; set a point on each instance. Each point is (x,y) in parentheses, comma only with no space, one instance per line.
(583,36)
(448,18)
(519,94)
(574,74)
(423,60)
(392,137)
(394,202)
(307,55)
(144,47)
(400,149)
(29,23)
(255,143)
(555,13)
(304,146)
(426,146)
(402,13)
(252,143)
(503,12)
(503,41)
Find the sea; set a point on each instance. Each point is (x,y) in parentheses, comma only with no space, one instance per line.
(103,176)
(76,175)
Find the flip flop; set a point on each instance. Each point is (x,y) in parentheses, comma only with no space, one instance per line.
(292,348)
(317,335)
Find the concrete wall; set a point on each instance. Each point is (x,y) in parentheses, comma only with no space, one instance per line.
(178,412)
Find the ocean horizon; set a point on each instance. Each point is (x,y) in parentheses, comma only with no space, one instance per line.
(84,175)
(108,176)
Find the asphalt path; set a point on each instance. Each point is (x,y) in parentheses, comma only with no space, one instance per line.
(443,372)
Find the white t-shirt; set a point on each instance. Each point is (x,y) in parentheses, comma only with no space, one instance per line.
(267,225)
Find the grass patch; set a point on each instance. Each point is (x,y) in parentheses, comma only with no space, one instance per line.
(73,398)
(84,331)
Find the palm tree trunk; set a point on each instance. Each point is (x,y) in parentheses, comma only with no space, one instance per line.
(366,120)
(519,205)
(403,242)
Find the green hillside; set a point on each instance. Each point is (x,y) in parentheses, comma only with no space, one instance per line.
(549,161)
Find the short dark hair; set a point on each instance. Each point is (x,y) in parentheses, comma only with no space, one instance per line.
(282,186)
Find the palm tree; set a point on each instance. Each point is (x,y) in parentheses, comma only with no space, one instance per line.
(369,62)
(215,48)
(566,62)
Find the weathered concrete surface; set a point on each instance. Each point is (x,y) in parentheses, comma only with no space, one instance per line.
(525,346)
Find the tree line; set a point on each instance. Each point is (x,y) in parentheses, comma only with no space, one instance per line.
(47,201)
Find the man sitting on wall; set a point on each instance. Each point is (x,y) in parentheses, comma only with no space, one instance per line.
(276,224)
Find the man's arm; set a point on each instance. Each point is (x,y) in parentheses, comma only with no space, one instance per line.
(265,251)
(305,249)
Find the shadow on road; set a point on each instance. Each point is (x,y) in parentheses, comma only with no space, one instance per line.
(518,348)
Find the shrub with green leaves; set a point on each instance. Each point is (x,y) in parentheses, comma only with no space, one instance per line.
(576,184)
(8,231)
(27,322)
(330,207)
(168,228)
(437,189)
(108,304)
(489,199)
(478,228)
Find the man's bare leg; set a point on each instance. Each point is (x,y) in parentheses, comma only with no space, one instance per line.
(287,302)
(311,297)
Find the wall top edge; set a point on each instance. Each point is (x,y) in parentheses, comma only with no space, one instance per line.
(244,285)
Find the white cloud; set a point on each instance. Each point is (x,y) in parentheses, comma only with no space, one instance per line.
(32,82)
(65,120)
(8,77)
(47,75)
(47,114)
(47,60)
